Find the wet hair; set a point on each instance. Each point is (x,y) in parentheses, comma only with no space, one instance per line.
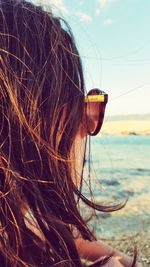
(41,108)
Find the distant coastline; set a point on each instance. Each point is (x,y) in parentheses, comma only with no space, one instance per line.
(126,125)
(129,117)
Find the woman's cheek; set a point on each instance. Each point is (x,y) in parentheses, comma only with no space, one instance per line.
(77,154)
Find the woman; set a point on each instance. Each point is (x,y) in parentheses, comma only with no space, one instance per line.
(44,117)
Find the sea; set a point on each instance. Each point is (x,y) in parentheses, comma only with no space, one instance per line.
(120,171)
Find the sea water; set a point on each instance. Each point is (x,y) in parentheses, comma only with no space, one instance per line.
(120,168)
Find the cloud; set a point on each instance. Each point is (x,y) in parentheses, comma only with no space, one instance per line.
(81,2)
(58,5)
(105,3)
(108,21)
(83,16)
(97,12)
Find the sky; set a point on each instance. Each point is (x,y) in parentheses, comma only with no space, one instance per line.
(113,39)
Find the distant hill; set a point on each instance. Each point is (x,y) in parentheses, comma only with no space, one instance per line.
(132,117)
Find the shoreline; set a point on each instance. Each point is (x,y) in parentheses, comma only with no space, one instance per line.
(114,232)
(126,229)
(129,227)
(122,234)
(128,242)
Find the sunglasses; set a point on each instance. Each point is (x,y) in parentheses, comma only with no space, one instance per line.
(96,101)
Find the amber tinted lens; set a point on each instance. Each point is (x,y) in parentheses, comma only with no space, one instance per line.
(95,113)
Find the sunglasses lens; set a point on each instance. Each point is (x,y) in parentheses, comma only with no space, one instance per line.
(95,114)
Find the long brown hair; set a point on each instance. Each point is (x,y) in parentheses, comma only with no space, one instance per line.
(41,79)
